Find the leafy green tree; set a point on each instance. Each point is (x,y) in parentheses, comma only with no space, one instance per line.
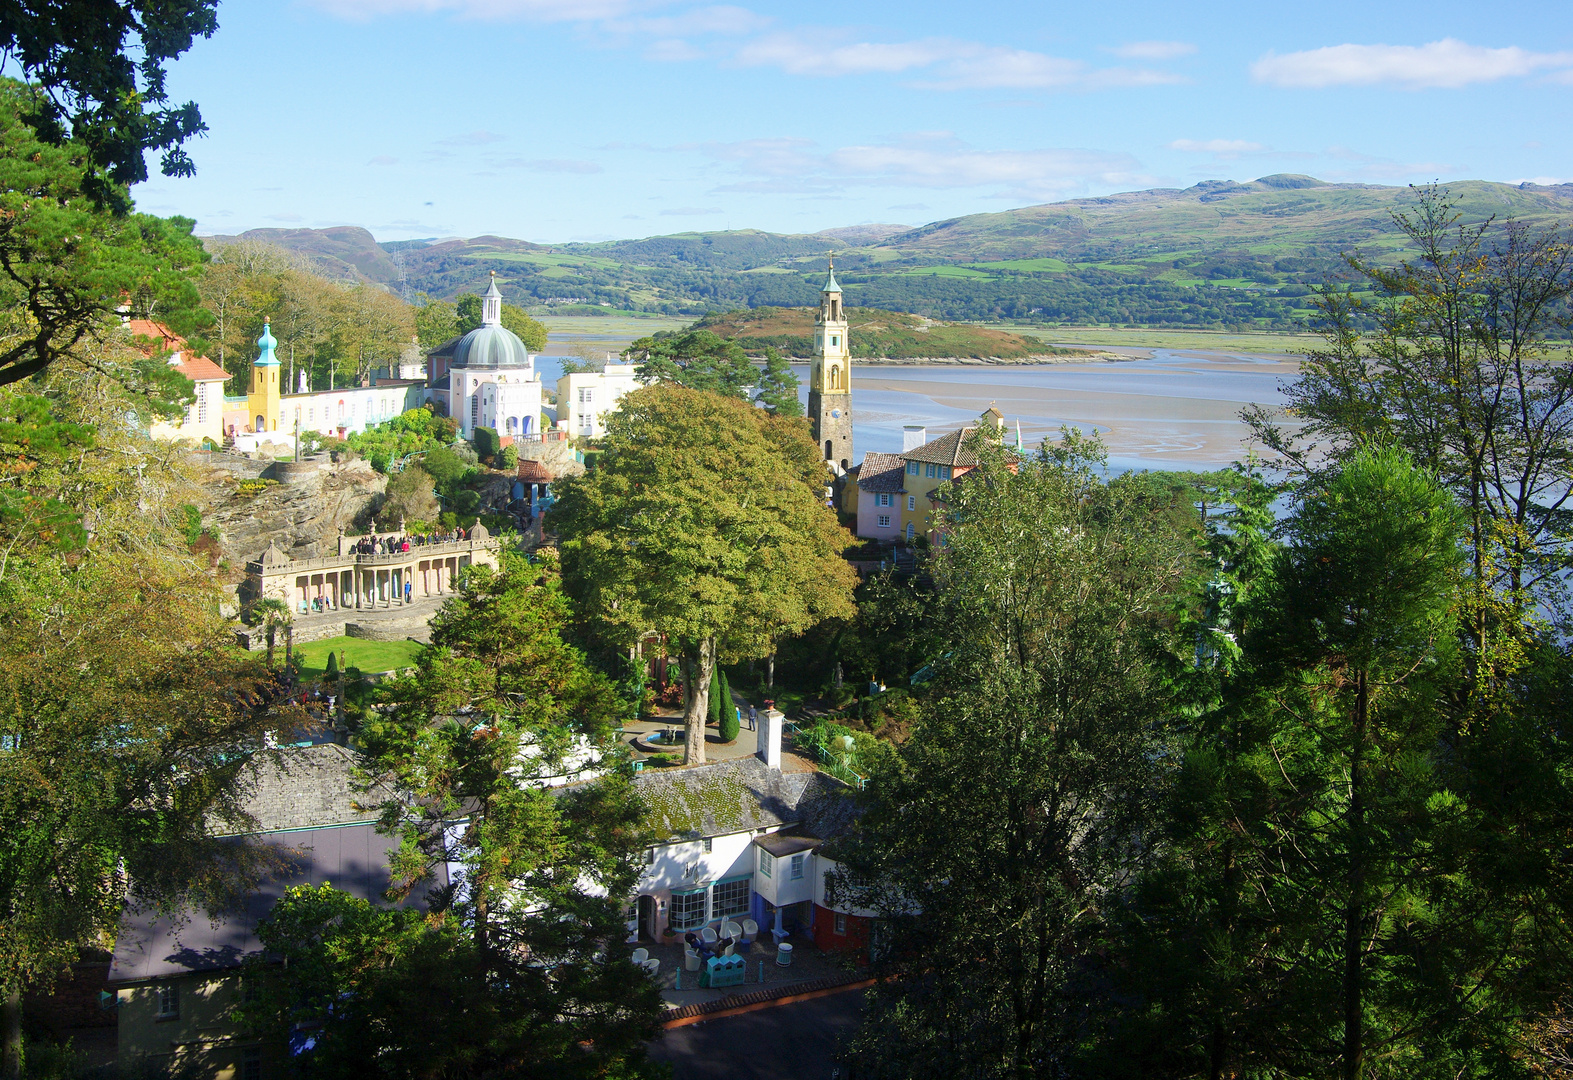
(467,311)
(66,263)
(1019,809)
(727,723)
(1463,371)
(705,521)
(436,321)
(498,707)
(98,66)
(410,497)
(274,615)
(697,359)
(126,714)
(778,386)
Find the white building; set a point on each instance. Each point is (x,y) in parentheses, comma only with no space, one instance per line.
(743,841)
(584,398)
(487,378)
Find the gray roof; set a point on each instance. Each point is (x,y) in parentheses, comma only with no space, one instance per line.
(881,472)
(490,346)
(946,450)
(306,786)
(782,844)
(353,858)
(741,795)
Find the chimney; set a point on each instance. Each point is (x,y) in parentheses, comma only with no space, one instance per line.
(913,436)
(770,724)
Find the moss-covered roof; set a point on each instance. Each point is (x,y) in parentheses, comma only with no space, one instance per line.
(739,795)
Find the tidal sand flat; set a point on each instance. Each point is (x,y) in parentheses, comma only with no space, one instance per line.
(1165,409)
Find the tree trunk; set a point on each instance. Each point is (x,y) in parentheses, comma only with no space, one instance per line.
(1354,1042)
(697,670)
(12,1057)
(770,670)
(271,632)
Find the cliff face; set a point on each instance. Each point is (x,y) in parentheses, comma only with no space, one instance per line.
(300,509)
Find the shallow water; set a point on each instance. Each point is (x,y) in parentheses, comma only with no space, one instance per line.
(1172,410)
(1175,410)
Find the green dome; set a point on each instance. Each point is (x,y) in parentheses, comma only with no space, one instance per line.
(491,345)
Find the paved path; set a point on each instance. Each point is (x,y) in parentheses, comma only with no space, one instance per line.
(795,1041)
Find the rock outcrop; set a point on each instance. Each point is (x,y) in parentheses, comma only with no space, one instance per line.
(299,509)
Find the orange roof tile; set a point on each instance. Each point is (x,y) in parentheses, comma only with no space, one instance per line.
(201,369)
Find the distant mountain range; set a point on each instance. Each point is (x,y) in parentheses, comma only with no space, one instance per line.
(1218,254)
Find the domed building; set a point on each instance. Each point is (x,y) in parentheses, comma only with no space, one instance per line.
(486,378)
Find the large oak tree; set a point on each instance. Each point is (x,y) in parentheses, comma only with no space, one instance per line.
(705,521)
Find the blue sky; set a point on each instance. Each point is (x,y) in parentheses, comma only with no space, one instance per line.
(558,120)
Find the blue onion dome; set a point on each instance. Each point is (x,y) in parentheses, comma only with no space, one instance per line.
(491,344)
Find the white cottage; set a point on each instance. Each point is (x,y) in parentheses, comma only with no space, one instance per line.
(742,841)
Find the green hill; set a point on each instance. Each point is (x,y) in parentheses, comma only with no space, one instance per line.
(1216,255)
(876,335)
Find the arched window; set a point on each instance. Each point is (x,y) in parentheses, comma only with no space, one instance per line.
(262,423)
(829,451)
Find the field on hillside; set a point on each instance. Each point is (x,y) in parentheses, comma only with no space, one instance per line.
(1288,344)
(1219,256)
(876,335)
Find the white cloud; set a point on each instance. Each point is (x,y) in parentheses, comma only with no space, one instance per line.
(1153,50)
(492,10)
(1215,146)
(1221,149)
(549,165)
(1447,63)
(472,138)
(947,64)
(923,160)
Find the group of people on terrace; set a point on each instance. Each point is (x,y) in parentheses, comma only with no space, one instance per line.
(372,544)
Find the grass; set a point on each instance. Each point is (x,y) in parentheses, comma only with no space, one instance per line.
(1220,340)
(358,653)
(945,271)
(1032,265)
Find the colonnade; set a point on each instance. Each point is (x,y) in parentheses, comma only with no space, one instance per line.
(374,586)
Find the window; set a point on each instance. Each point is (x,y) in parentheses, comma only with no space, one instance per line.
(884,499)
(649,856)
(884,521)
(202,404)
(251,1063)
(930,472)
(912,502)
(709,844)
(841,923)
(586,395)
(766,861)
(730,898)
(912,468)
(475,410)
(797,867)
(688,909)
(311,413)
(912,530)
(834,340)
(168,1001)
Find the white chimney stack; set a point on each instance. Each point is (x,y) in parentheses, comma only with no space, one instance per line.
(913,436)
(770,724)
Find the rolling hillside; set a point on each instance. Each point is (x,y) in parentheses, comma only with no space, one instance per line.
(877,335)
(1216,255)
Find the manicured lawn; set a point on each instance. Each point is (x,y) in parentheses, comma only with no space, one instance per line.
(357,653)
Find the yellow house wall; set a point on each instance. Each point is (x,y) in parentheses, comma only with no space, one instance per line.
(188,427)
(202,1038)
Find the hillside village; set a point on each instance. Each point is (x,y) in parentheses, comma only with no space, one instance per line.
(780,654)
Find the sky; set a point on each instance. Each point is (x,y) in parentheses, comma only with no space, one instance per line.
(579,120)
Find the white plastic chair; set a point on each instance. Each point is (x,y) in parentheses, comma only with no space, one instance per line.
(750,930)
(652,967)
(690,960)
(731,929)
(730,950)
(709,936)
(641,955)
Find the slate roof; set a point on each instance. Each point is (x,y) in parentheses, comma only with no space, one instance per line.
(306,786)
(740,795)
(881,472)
(353,858)
(946,450)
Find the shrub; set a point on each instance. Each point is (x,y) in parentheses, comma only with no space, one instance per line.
(508,458)
(487,442)
(729,722)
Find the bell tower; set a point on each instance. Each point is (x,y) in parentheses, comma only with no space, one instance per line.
(830,378)
(263,398)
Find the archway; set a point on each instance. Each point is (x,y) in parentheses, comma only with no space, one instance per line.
(647,910)
(262,423)
(830,453)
